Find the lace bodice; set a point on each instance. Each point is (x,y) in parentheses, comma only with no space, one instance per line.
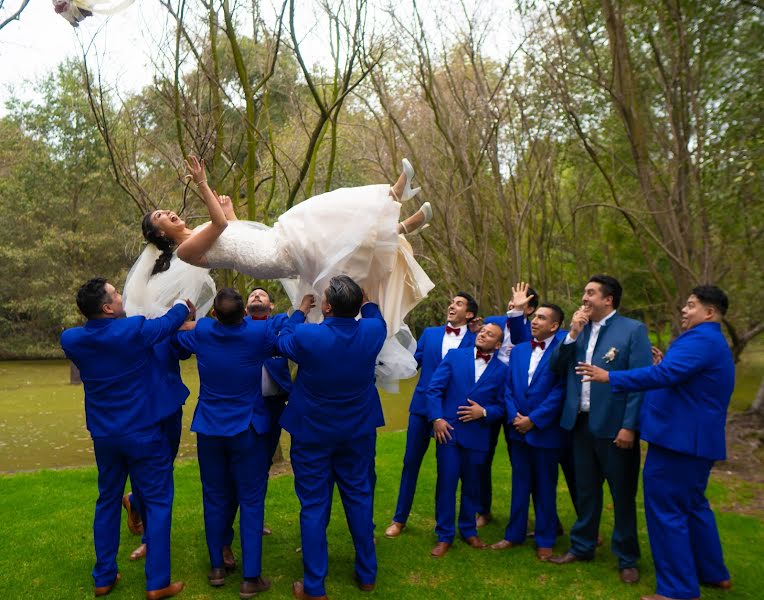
(253,249)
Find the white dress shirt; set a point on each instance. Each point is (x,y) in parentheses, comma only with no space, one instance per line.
(507,345)
(586,388)
(536,355)
(451,341)
(480,364)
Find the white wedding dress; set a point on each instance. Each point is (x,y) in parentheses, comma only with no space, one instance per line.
(351,231)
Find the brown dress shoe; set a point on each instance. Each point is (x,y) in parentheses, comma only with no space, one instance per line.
(138,553)
(298,591)
(175,588)
(483,520)
(630,575)
(722,585)
(250,587)
(503,545)
(216,576)
(544,554)
(563,559)
(364,587)
(475,542)
(134,522)
(395,529)
(660,597)
(103,590)
(229,560)
(267,530)
(440,549)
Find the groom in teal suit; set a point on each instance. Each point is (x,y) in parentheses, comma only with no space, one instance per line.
(604,423)
(683,419)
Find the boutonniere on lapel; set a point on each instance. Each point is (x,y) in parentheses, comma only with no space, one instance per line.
(610,355)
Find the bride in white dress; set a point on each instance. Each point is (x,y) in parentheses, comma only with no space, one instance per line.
(352,231)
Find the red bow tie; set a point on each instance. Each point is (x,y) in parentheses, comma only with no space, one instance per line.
(485,357)
(454,330)
(535,344)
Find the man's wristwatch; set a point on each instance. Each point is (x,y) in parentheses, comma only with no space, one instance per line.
(485,414)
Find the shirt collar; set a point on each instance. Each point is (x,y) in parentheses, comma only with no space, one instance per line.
(604,320)
(546,341)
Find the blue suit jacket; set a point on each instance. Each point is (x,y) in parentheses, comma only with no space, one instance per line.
(428,355)
(454,382)
(115,362)
(686,409)
(278,366)
(608,411)
(230,360)
(166,373)
(541,400)
(519,327)
(334,397)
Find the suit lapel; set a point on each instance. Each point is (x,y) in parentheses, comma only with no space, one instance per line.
(543,361)
(602,335)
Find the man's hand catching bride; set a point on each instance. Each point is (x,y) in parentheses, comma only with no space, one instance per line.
(308,302)
(195,168)
(191,310)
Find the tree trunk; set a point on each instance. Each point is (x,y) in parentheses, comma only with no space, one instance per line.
(758,401)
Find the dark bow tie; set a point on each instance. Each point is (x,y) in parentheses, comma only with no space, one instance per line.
(454,330)
(535,344)
(485,357)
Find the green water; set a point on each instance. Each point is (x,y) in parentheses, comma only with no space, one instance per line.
(42,420)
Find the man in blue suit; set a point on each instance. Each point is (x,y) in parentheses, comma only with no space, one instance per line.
(534,397)
(166,374)
(122,411)
(431,348)
(683,418)
(332,416)
(604,423)
(466,395)
(231,423)
(276,383)
(516,325)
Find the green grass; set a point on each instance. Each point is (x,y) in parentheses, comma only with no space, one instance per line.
(46,544)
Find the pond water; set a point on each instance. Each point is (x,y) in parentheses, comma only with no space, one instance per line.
(42,419)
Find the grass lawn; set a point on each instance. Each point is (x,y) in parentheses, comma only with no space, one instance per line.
(46,546)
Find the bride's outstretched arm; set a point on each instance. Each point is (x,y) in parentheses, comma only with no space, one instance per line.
(193,249)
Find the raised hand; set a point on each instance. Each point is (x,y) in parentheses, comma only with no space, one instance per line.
(191,310)
(578,321)
(308,302)
(195,168)
(227,205)
(520,297)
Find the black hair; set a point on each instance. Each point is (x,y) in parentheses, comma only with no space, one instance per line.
(610,287)
(534,301)
(472,305)
(254,289)
(559,314)
(91,297)
(345,296)
(229,306)
(710,295)
(153,235)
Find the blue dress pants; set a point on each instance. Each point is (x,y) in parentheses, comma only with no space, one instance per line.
(243,459)
(145,456)
(418,438)
(534,473)
(680,524)
(317,467)
(454,463)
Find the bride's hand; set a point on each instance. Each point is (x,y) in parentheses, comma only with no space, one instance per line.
(195,168)
(227,205)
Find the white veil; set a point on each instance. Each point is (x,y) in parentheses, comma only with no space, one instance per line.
(153,295)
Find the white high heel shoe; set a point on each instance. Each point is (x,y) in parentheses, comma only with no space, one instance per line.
(408,193)
(425,209)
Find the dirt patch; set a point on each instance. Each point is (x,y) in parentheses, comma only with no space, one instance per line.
(743,471)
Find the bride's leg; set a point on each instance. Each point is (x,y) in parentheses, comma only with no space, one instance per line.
(417,221)
(396,190)
(401,190)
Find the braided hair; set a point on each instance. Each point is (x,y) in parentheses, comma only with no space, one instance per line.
(153,235)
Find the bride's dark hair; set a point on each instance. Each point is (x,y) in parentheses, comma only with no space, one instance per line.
(153,235)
